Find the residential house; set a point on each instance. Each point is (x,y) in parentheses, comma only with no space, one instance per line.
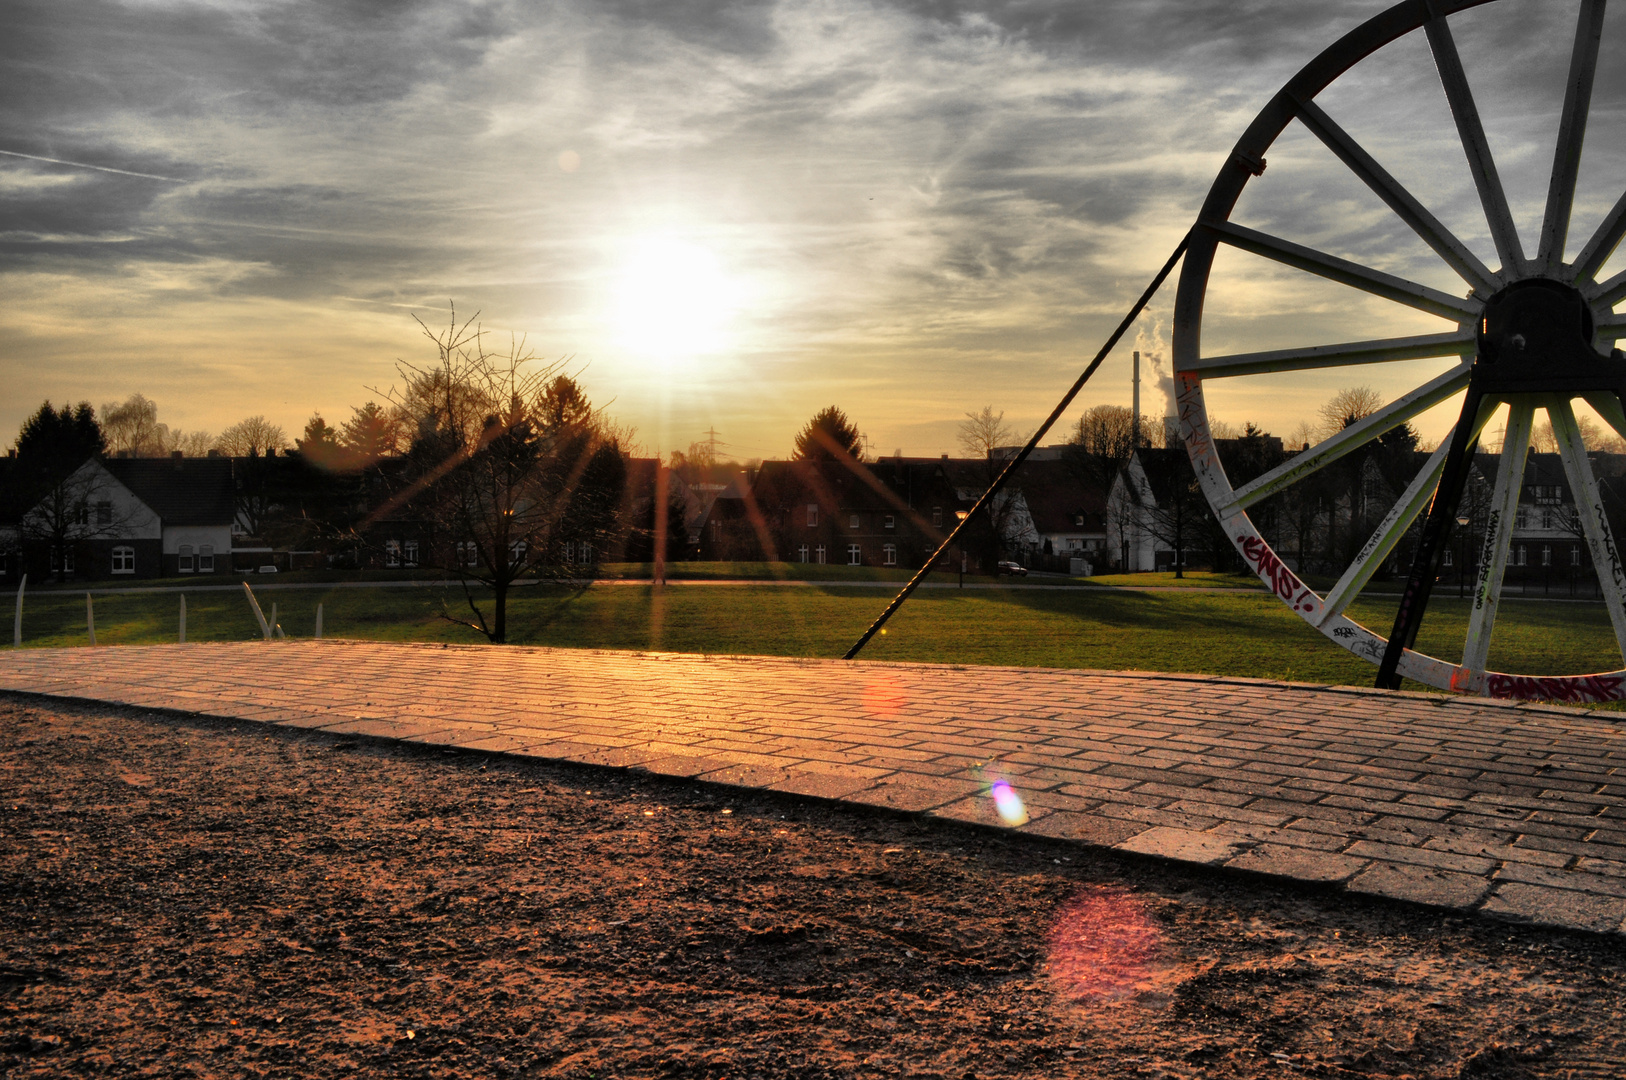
(132,517)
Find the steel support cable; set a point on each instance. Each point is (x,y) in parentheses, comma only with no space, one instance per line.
(1016,462)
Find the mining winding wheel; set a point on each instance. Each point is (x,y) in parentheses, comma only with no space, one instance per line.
(1536,332)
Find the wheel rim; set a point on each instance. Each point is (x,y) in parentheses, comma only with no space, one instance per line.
(1497,365)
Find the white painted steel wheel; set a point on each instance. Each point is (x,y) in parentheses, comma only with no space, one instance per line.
(1535,333)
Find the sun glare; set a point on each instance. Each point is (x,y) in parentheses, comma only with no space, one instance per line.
(673,300)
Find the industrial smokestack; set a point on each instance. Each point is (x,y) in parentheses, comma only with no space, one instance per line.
(1134,420)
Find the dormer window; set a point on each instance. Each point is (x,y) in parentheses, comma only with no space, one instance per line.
(891,523)
(852,522)
(812,514)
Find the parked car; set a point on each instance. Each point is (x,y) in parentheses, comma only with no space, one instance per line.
(1013,569)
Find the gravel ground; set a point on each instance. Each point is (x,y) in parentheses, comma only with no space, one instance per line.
(184,897)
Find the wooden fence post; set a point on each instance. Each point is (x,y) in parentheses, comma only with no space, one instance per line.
(17,624)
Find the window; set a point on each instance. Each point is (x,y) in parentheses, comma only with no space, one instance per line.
(1575,554)
(937,517)
(62,561)
(104,513)
(410,556)
(468,554)
(1074,543)
(889,522)
(855,555)
(1521,519)
(1546,554)
(812,514)
(852,522)
(392,553)
(183,562)
(1447,560)
(1078,519)
(889,554)
(517,550)
(1520,555)
(124,560)
(1546,520)
(206,559)
(570,551)
(801,554)
(818,554)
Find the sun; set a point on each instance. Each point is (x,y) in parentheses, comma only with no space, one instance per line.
(673,300)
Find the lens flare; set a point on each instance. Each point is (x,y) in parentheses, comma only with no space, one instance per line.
(1103,945)
(1009,804)
(884,696)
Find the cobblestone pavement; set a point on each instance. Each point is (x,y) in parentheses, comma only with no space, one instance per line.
(1513,810)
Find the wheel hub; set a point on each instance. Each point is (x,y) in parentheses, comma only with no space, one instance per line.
(1535,336)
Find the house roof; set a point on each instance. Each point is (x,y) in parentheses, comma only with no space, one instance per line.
(1057,497)
(181,491)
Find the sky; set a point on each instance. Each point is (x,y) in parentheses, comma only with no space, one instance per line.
(722,216)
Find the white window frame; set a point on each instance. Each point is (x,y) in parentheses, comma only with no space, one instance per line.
(124,559)
(392,553)
(1523,555)
(1575,554)
(206,558)
(889,554)
(818,554)
(801,554)
(184,562)
(62,562)
(855,555)
(409,553)
(1546,554)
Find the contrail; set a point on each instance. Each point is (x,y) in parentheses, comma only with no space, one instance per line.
(98,168)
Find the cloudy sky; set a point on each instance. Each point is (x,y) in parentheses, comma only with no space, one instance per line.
(726,214)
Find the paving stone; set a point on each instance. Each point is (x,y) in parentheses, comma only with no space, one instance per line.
(1421,797)
(1421,885)
(1184,845)
(1556,907)
(1299,863)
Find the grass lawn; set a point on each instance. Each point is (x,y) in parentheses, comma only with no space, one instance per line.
(1245,634)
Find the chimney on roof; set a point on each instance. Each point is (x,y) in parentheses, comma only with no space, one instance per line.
(945,457)
(213,452)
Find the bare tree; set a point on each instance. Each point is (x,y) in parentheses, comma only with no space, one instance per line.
(981,433)
(511,465)
(252,438)
(1346,407)
(132,428)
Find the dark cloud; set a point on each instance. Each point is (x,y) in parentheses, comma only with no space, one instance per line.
(1159,32)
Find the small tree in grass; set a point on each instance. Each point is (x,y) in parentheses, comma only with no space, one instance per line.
(511,468)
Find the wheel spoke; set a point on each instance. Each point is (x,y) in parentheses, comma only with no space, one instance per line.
(1498,539)
(1472,133)
(1571,134)
(1603,242)
(1343,271)
(1351,438)
(1382,350)
(1401,201)
(1612,328)
(1394,525)
(1606,557)
(1608,406)
(1612,291)
(1436,530)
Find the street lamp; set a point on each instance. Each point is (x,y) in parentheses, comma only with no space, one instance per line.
(1462,554)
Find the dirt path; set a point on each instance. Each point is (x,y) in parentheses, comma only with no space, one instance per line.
(191,898)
